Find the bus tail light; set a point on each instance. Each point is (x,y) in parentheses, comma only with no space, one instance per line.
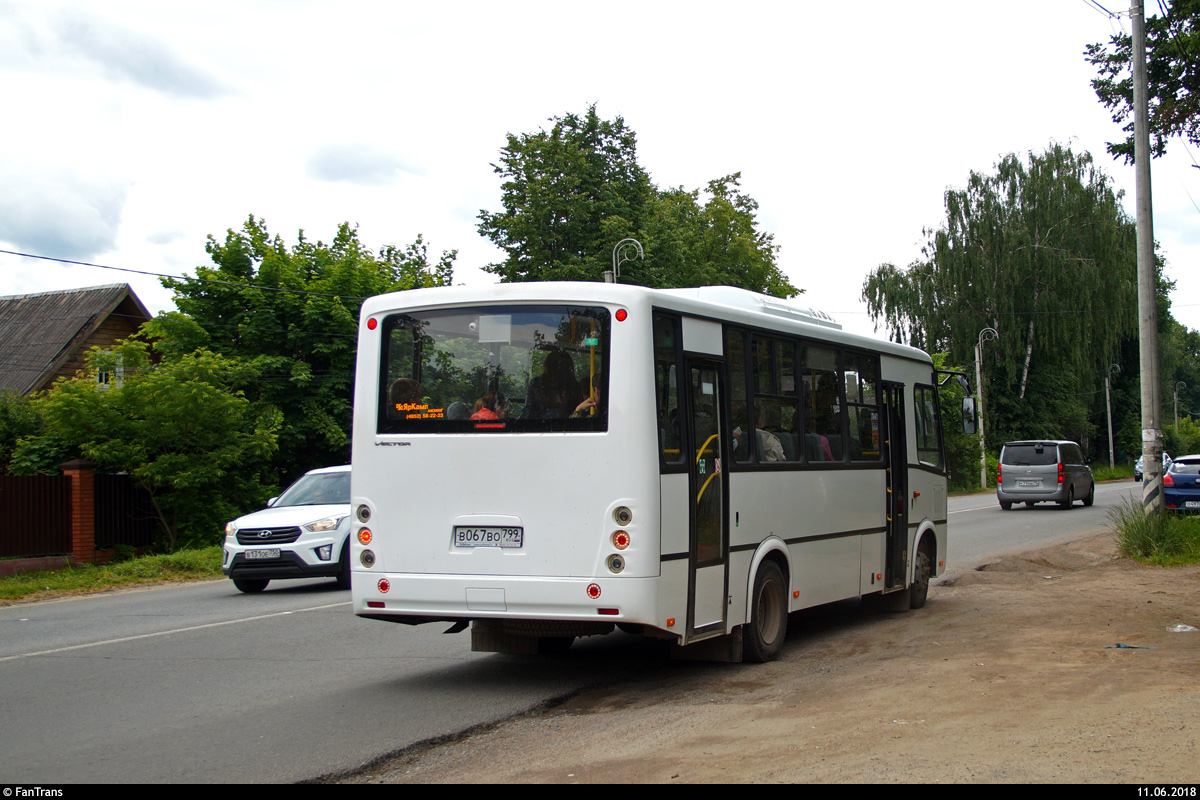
(367,558)
(593,590)
(1060,472)
(364,536)
(383,585)
(620,539)
(616,563)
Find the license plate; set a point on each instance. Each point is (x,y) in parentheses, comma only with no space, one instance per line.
(1191,504)
(253,554)
(1030,484)
(488,536)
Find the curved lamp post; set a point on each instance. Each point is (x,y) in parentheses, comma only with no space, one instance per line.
(984,335)
(1178,385)
(619,258)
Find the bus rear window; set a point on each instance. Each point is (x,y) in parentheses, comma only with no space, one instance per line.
(494,369)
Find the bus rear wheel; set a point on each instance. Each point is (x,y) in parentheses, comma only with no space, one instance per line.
(918,592)
(763,637)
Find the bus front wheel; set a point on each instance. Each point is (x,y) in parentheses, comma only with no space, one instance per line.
(763,637)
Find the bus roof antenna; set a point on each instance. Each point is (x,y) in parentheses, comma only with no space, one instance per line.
(613,275)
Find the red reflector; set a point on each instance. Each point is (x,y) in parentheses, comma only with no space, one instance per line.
(612,612)
(374,604)
(372,323)
(489,425)
(622,314)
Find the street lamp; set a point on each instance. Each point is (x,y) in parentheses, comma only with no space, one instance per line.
(619,258)
(1108,405)
(984,335)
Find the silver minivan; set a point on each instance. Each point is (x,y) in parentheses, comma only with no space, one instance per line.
(1039,471)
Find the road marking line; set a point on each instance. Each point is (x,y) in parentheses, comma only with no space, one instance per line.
(168,633)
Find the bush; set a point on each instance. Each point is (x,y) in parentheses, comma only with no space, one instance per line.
(1165,539)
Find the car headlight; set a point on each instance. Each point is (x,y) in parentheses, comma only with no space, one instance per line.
(327,524)
(230,529)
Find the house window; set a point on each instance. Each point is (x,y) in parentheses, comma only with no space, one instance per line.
(113,377)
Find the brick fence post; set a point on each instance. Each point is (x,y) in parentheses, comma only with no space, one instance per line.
(83,509)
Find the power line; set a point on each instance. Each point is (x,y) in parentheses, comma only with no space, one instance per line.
(182,277)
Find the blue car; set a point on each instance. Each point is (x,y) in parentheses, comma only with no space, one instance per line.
(1181,484)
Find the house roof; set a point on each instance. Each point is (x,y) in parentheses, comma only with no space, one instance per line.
(40,332)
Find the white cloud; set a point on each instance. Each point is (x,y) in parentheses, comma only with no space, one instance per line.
(130,55)
(354,163)
(49,210)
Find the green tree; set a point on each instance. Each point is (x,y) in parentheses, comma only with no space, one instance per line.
(182,427)
(572,193)
(1172,77)
(292,314)
(1042,251)
(715,242)
(569,195)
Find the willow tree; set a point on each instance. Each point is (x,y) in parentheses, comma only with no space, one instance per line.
(1041,250)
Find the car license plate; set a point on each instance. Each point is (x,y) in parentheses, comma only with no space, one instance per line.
(253,554)
(488,536)
(1030,484)
(1191,504)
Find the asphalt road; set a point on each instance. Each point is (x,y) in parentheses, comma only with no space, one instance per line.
(198,683)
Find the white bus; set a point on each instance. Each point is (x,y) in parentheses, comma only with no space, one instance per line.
(544,461)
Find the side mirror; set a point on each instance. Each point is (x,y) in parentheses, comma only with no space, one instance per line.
(969,420)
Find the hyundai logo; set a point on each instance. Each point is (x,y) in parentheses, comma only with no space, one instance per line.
(264,534)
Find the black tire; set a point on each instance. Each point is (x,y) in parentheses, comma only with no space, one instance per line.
(250,585)
(1091,495)
(918,590)
(763,638)
(1069,500)
(1005,505)
(343,576)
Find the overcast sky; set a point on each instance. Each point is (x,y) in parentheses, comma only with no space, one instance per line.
(136,129)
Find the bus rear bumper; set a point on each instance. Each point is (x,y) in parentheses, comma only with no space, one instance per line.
(457,597)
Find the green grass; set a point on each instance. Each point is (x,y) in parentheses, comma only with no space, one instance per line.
(185,565)
(1166,540)
(1121,472)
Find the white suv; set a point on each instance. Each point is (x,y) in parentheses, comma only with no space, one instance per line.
(302,533)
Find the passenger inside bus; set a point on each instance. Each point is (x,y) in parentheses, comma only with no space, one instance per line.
(485,408)
(555,393)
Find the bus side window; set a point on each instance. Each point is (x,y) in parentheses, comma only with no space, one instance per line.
(739,419)
(929,427)
(666,389)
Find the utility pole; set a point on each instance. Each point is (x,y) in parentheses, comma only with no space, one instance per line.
(984,335)
(1152,435)
(1112,463)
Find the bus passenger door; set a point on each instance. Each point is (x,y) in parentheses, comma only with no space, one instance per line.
(709,536)
(896,455)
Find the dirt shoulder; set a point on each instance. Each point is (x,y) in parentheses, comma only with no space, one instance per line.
(1005,676)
